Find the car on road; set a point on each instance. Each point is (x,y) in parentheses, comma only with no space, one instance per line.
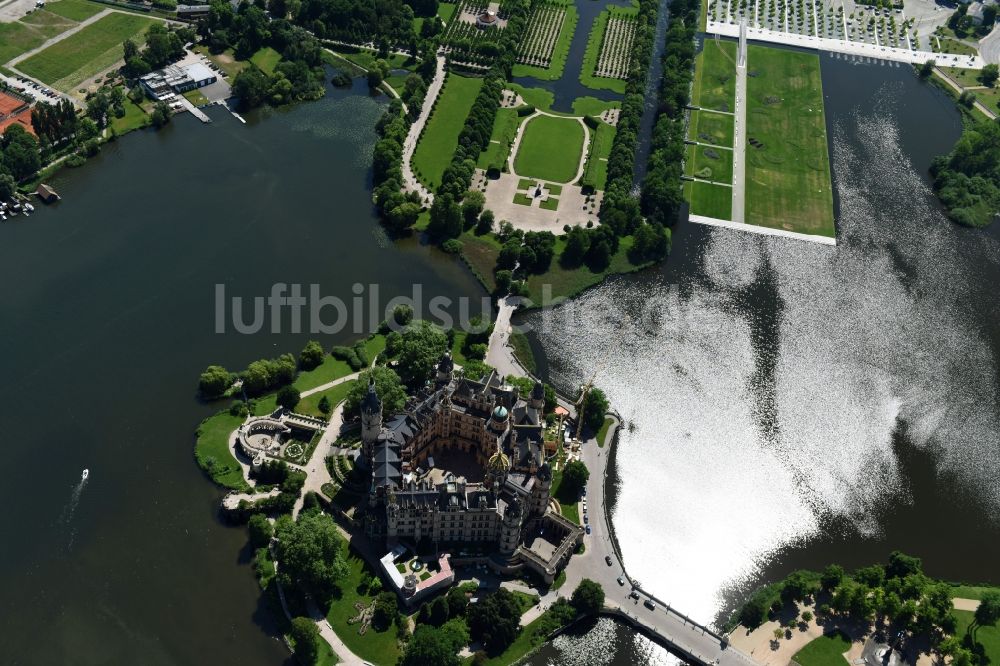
(585,518)
(621,581)
(607,558)
(649,604)
(588,529)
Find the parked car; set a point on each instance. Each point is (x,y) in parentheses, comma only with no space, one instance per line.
(633,595)
(621,581)
(585,518)
(649,604)
(607,558)
(588,529)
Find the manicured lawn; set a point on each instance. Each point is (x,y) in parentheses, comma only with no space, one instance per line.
(555,69)
(310,404)
(967,78)
(445,11)
(480,255)
(826,650)
(18,37)
(134,118)
(536,97)
(549,204)
(709,163)
(566,282)
(332,368)
(715,76)
(266,59)
(95,43)
(196,97)
(504,129)
(212,450)
(596,171)
(377,647)
(988,637)
(440,136)
(522,199)
(593,52)
(525,183)
(787,160)
(970,591)
(603,432)
(76,10)
(550,149)
(949,45)
(714,128)
(522,351)
(710,200)
(591,106)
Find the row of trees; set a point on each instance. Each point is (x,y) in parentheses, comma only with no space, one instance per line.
(163,46)
(661,191)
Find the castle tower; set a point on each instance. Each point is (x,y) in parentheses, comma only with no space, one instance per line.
(499,419)
(371,420)
(445,369)
(496,470)
(510,527)
(541,490)
(537,400)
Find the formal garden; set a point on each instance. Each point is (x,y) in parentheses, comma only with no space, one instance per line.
(616,50)
(542,53)
(439,138)
(550,149)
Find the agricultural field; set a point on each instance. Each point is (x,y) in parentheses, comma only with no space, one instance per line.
(504,130)
(709,163)
(715,76)
(616,50)
(440,136)
(714,128)
(709,200)
(550,149)
(95,48)
(787,158)
(595,174)
(542,53)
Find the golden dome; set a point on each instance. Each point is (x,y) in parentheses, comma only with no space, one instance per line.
(499,462)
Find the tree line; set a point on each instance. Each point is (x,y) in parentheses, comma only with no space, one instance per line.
(967,180)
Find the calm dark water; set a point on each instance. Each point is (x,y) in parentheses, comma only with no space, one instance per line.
(794,405)
(108,317)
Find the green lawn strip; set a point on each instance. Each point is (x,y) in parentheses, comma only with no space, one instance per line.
(709,163)
(715,76)
(711,200)
(536,97)
(377,647)
(522,199)
(591,106)
(266,59)
(827,650)
(554,190)
(17,38)
(967,78)
(226,61)
(310,404)
(525,183)
(522,351)
(445,11)
(504,129)
(949,45)
(788,173)
(566,282)
(593,52)
(603,432)
(480,254)
(211,450)
(596,171)
(549,204)
(75,10)
(440,136)
(195,97)
(970,591)
(134,118)
(560,579)
(567,503)
(714,128)
(93,43)
(550,149)
(988,637)
(559,53)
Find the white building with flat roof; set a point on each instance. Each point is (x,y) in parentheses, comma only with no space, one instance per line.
(164,83)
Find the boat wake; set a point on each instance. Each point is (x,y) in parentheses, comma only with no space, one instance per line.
(66,518)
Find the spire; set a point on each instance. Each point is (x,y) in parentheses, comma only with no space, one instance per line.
(371,404)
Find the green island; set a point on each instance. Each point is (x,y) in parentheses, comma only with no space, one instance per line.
(349,540)
(892,613)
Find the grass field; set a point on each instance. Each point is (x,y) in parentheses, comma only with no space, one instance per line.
(555,69)
(988,637)
(715,76)
(76,10)
(480,254)
(596,172)
(226,61)
(378,647)
(440,136)
(19,37)
(714,164)
(212,450)
(446,10)
(266,59)
(504,129)
(566,282)
(593,51)
(134,118)
(826,650)
(714,128)
(550,149)
(970,591)
(710,200)
(99,42)
(602,434)
(949,45)
(787,159)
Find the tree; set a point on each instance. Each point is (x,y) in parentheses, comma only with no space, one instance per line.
(574,478)
(457,602)
(595,406)
(485,223)
(472,206)
(386,610)
(901,565)
(445,218)
(324,404)
(251,86)
(288,397)
(420,349)
(305,635)
(402,316)
(260,529)
(19,152)
(495,620)
(214,381)
(439,611)
(7,185)
(160,115)
(831,577)
(588,597)
(387,385)
(436,646)
(988,612)
(989,74)
(311,553)
(311,355)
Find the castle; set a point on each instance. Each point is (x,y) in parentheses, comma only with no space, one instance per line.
(464,464)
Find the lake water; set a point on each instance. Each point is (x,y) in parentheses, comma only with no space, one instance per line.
(792,404)
(108,317)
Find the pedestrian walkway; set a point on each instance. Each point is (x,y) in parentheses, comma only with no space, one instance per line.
(410,182)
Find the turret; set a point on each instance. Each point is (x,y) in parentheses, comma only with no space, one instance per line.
(445,369)
(537,399)
(499,418)
(371,420)
(510,527)
(541,490)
